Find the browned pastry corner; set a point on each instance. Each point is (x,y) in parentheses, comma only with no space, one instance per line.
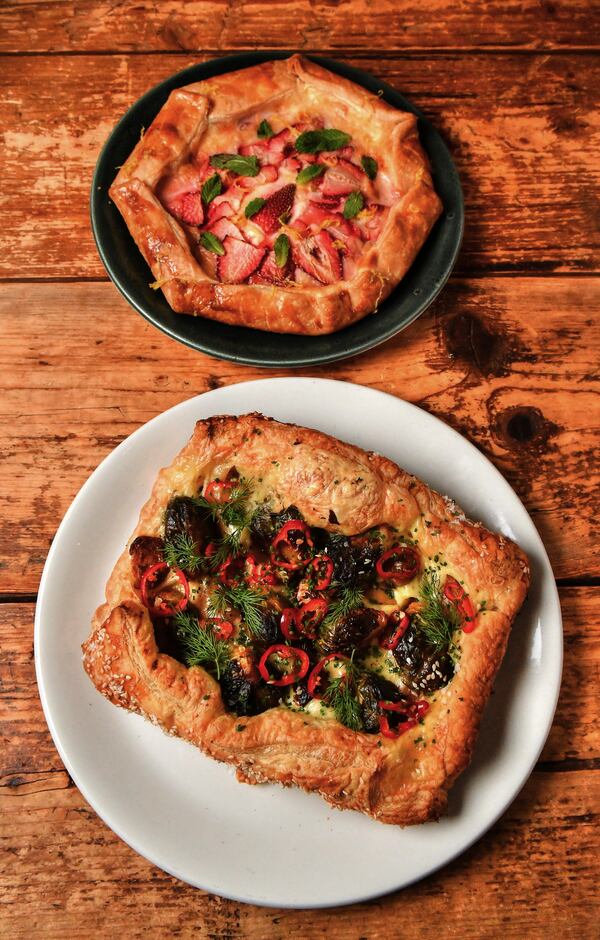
(339,278)
(338,491)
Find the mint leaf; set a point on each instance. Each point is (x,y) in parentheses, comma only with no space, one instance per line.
(310,173)
(282,250)
(211,188)
(242,166)
(370,167)
(212,243)
(254,206)
(316,141)
(353,205)
(265,129)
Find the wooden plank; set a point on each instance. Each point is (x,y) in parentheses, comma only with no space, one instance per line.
(508,362)
(276,24)
(523,130)
(75,877)
(65,867)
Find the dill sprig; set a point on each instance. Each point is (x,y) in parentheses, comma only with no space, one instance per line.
(233,515)
(200,646)
(247,600)
(348,598)
(180,552)
(341,696)
(437,620)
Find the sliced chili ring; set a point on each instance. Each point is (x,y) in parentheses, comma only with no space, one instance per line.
(310,615)
(286,652)
(399,564)
(231,569)
(293,537)
(223,629)
(150,578)
(218,491)
(288,624)
(323,571)
(456,594)
(418,709)
(390,641)
(314,680)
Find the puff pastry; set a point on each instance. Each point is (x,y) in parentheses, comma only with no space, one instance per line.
(318,216)
(372,617)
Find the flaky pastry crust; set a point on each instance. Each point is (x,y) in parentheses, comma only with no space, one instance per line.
(211,112)
(395,781)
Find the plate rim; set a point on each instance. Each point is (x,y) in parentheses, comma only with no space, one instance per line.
(153,858)
(236,61)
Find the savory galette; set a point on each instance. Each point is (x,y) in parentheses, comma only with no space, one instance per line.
(310,613)
(280,197)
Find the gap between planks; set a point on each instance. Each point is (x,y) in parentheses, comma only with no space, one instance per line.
(357,52)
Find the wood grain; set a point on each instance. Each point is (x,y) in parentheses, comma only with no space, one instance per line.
(51,838)
(524,131)
(508,362)
(279,24)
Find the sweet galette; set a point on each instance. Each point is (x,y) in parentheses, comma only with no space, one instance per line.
(280,197)
(310,613)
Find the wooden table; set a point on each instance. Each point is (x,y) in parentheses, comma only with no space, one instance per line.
(507,355)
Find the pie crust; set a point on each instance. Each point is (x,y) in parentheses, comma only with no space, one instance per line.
(401,781)
(222,113)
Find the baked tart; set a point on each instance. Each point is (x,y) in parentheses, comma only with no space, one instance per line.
(280,197)
(310,613)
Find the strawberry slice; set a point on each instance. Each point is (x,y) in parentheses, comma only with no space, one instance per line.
(224,227)
(301,277)
(278,145)
(318,256)
(271,272)
(277,205)
(219,210)
(258,149)
(239,261)
(337,182)
(371,223)
(188,208)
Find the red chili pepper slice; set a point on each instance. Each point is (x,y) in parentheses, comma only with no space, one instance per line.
(456,594)
(223,629)
(314,680)
(323,571)
(399,564)
(310,615)
(150,578)
(288,625)
(286,652)
(391,641)
(418,709)
(218,491)
(231,569)
(292,538)
(259,572)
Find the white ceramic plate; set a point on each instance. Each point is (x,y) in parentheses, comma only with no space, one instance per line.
(187,813)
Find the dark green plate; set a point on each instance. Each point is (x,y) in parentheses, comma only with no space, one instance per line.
(132,276)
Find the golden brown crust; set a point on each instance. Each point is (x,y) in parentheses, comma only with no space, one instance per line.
(212,110)
(398,781)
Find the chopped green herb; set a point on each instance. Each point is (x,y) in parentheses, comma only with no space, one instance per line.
(254,206)
(370,167)
(310,172)
(212,243)
(353,205)
(264,129)
(180,552)
(282,250)
(200,646)
(247,600)
(211,188)
(241,166)
(326,139)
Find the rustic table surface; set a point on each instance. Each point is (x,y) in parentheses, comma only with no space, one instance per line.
(507,355)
